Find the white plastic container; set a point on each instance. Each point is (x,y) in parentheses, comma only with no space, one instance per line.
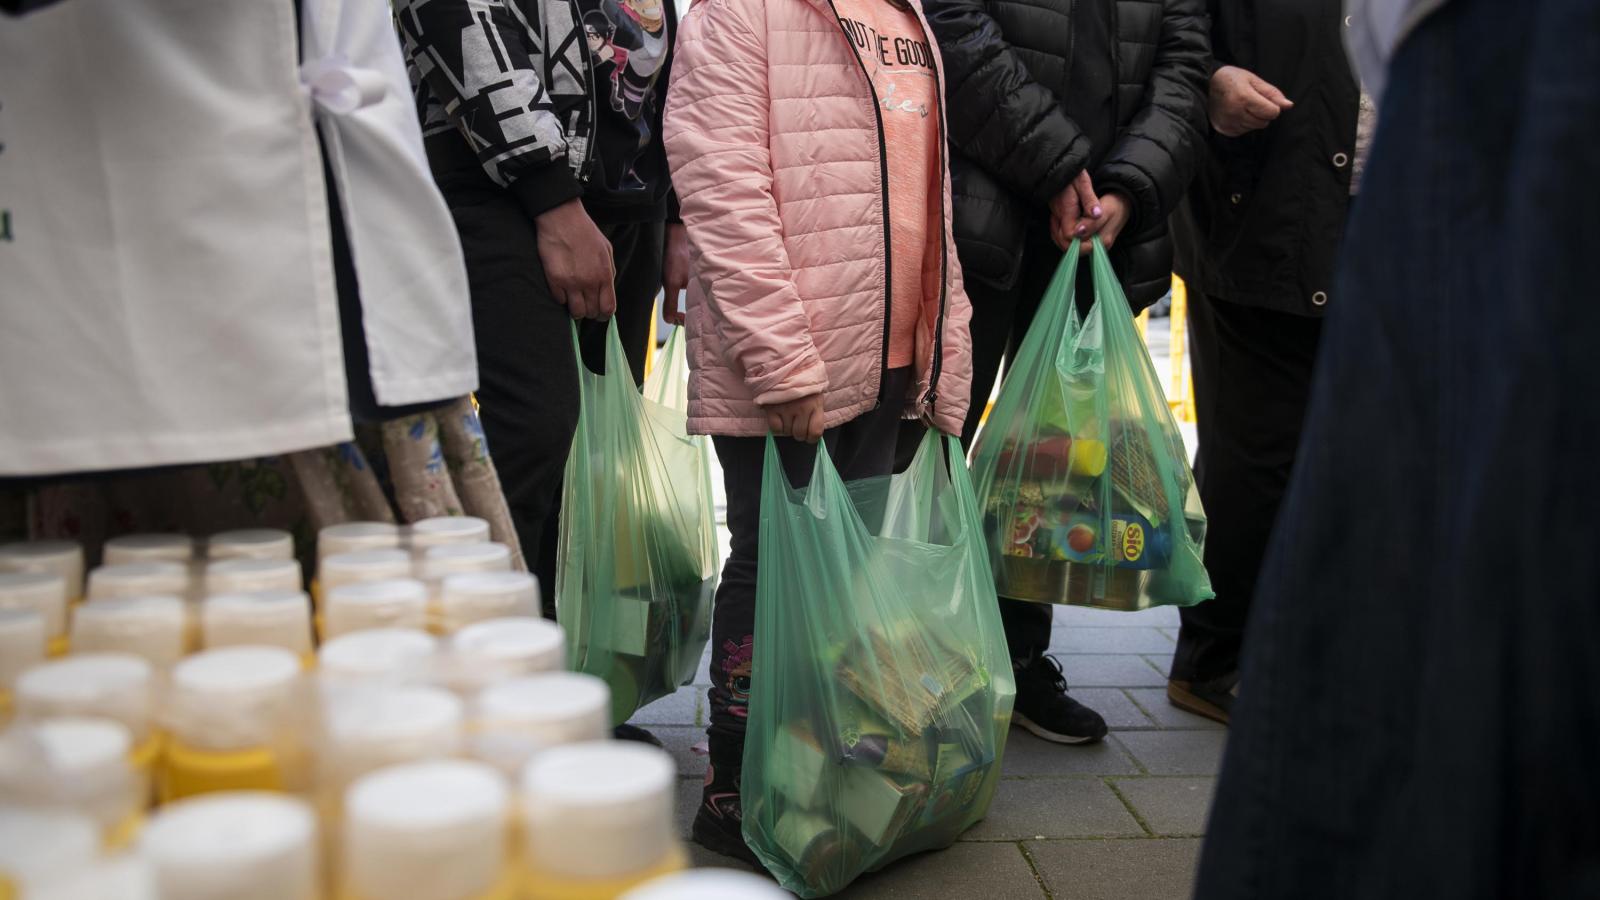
(37,846)
(64,558)
(435,563)
(362,565)
(77,764)
(598,811)
(708,884)
(22,643)
(138,548)
(351,537)
(516,719)
(247,574)
(426,831)
(161,578)
(477,596)
(42,592)
(390,603)
(124,877)
(117,686)
(251,543)
(442,530)
(494,650)
(376,658)
(154,628)
(260,618)
(236,698)
(385,727)
(244,845)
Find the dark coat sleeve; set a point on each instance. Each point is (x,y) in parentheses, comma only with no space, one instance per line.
(999,117)
(1154,157)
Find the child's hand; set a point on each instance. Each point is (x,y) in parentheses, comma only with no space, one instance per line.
(800,419)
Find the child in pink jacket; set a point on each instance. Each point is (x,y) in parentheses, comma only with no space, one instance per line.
(806,142)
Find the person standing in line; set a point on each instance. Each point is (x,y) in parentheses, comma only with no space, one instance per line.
(1069,120)
(1257,239)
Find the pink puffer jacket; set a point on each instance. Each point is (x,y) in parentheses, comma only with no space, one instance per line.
(773,136)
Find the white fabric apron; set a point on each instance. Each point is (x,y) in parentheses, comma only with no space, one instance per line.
(166,283)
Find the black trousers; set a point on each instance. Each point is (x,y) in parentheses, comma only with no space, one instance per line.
(1000,320)
(865,447)
(1252,380)
(527,373)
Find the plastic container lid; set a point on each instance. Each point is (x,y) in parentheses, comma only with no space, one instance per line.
(126,877)
(426,831)
(22,644)
(455,559)
(520,717)
(251,543)
(497,649)
(477,596)
(36,844)
(238,845)
(151,627)
(598,810)
(388,726)
(140,579)
(377,657)
(235,698)
(351,537)
(262,618)
(390,603)
(42,592)
(136,548)
(442,530)
(708,884)
(116,686)
(244,575)
(72,763)
(64,558)
(362,565)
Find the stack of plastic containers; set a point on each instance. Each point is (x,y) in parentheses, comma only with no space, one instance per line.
(79,765)
(153,627)
(117,686)
(515,719)
(236,720)
(45,593)
(261,618)
(238,846)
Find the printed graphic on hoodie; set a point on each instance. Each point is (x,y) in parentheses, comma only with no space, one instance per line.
(628,42)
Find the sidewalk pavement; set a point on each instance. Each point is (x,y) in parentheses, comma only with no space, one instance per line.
(1116,821)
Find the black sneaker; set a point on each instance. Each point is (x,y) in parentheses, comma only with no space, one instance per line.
(626,732)
(1212,699)
(1044,708)
(719,823)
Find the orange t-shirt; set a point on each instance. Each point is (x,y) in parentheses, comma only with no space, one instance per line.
(900,62)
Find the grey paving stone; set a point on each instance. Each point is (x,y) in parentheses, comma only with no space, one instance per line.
(1030,757)
(1154,702)
(1170,806)
(1162,662)
(1114,706)
(1150,869)
(1158,617)
(679,708)
(986,871)
(1030,808)
(1175,752)
(680,742)
(1110,640)
(1110,670)
(685,804)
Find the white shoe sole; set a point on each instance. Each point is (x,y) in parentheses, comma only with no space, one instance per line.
(1048,735)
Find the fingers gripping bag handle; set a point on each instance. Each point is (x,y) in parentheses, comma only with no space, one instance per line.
(1081,474)
(880,686)
(636,564)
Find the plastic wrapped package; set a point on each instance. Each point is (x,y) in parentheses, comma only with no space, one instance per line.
(250,543)
(44,593)
(76,764)
(441,531)
(637,564)
(597,820)
(237,845)
(385,727)
(352,537)
(376,658)
(428,831)
(40,846)
(237,719)
(881,689)
(140,548)
(259,618)
(388,603)
(247,574)
(1080,470)
(117,686)
(476,596)
(362,565)
(64,558)
(162,578)
(22,646)
(515,719)
(155,628)
(126,876)
(495,650)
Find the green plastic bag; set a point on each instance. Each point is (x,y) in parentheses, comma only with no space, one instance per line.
(1082,476)
(881,690)
(637,563)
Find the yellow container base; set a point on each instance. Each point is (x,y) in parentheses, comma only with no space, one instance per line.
(58,647)
(186,771)
(504,889)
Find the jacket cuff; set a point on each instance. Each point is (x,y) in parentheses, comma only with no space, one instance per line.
(545,187)
(802,378)
(1143,204)
(1066,168)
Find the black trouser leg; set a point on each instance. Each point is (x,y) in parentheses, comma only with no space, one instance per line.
(1252,377)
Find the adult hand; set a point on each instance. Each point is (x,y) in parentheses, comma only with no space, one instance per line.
(1072,210)
(1242,101)
(577,261)
(800,419)
(1115,218)
(674,273)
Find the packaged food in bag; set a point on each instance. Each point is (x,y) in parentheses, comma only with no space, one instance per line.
(881,690)
(637,561)
(1081,473)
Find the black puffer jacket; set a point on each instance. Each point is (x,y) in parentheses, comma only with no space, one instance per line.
(1007,65)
